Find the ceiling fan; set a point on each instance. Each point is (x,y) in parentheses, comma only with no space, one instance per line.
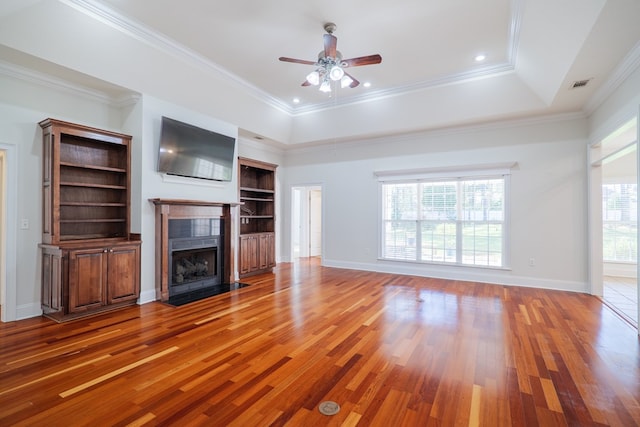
(330,65)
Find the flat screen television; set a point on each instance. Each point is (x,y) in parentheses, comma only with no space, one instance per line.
(187,150)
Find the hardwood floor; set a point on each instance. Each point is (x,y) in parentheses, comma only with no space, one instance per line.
(391,350)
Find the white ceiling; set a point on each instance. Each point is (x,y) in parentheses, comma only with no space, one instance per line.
(421,43)
(427,50)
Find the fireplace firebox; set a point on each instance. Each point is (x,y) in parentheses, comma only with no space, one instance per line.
(195,254)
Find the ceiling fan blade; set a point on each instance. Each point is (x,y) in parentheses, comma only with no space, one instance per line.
(296,61)
(362,60)
(330,42)
(355,82)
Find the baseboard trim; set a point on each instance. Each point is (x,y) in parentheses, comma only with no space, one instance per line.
(27,311)
(147,296)
(497,277)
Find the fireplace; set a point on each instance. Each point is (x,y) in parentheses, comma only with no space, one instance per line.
(196,251)
(194,246)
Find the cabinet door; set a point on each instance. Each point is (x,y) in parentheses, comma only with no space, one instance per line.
(244,255)
(264,251)
(271,250)
(123,274)
(52,280)
(248,254)
(87,279)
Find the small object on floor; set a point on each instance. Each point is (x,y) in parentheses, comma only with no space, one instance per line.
(329,408)
(197,295)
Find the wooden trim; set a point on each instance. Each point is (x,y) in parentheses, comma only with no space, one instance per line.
(174,202)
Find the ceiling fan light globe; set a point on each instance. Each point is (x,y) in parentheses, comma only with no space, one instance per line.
(325,86)
(313,78)
(336,73)
(345,81)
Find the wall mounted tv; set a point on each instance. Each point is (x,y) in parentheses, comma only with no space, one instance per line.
(187,150)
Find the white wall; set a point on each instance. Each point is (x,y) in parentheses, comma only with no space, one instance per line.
(548,197)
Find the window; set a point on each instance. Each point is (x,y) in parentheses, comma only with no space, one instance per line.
(457,220)
(620,222)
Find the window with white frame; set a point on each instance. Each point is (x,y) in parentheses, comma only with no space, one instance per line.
(620,222)
(443,218)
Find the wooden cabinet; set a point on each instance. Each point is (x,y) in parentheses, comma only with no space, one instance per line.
(248,254)
(257,253)
(90,260)
(257,216)
(101,277)
(266,250)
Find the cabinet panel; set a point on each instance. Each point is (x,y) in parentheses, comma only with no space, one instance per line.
(248,254)
(263,251)
(123,272)
(52,301)
(271,250)
(87,279)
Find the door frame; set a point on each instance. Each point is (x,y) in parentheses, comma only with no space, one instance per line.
(300,227)
(8,226)
(594,197)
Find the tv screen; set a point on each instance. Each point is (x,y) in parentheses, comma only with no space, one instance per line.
(187,150)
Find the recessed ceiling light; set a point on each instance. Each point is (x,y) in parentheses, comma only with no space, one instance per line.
(480,57)
(296,100)
(366,84)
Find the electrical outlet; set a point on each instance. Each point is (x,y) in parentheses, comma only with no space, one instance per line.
(532,262)
(24,224)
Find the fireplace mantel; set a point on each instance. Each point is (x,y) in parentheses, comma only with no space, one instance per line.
(167,209)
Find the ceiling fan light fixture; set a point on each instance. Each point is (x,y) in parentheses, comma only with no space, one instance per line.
(325,86)
(314,78)
(336,73)
(345,81)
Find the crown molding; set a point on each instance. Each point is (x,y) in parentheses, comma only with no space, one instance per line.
(627,66)
(48,81)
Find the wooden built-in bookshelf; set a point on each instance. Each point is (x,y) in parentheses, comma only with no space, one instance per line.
(90,260)
(257,188)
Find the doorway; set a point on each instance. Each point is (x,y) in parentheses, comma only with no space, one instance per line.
(306,221)
(614,224)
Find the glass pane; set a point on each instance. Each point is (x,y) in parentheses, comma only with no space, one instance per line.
(439,200)
(483,200)
(482,244)
(438,241)
(619,220)
(400,201)
(399,240)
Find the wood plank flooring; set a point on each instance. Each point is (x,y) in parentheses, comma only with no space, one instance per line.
(391,350)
